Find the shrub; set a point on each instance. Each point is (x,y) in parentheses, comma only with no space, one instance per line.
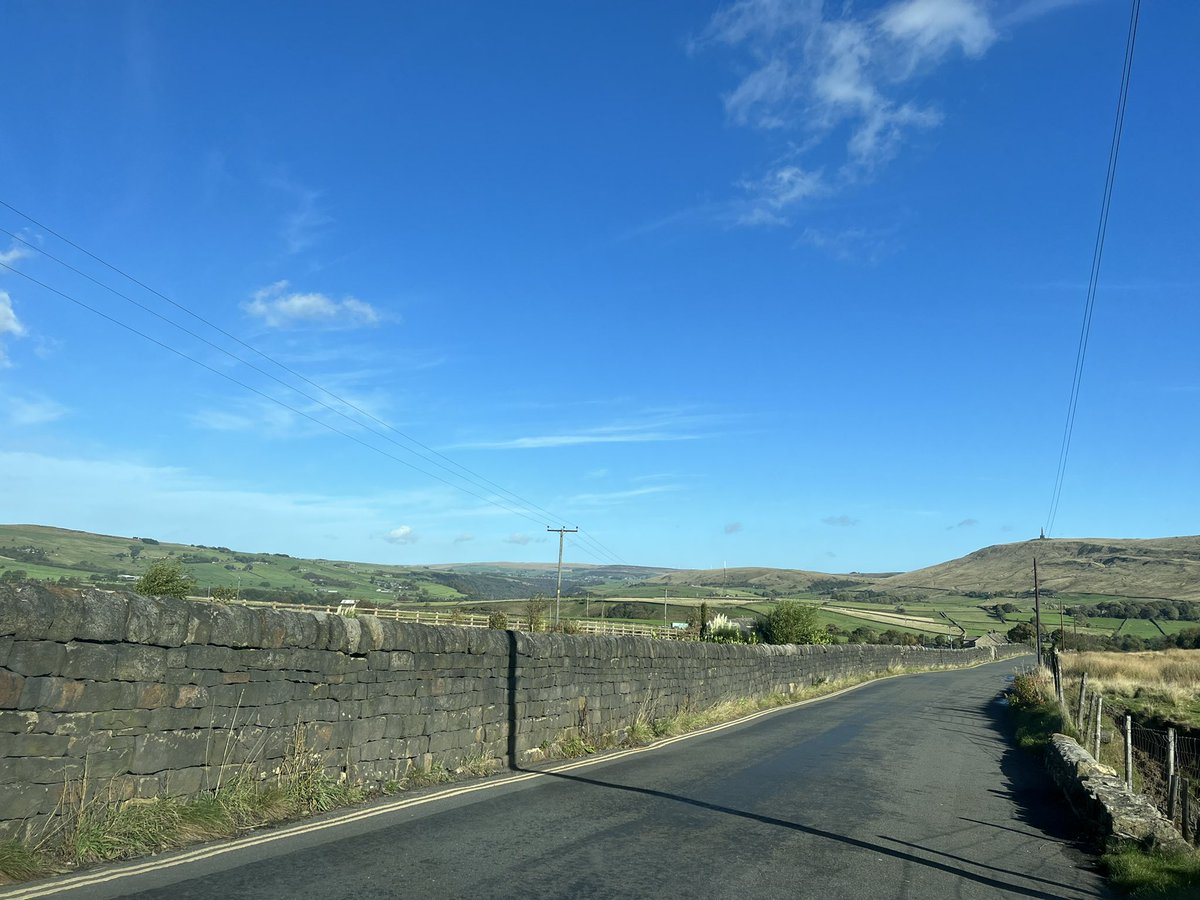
(791,622)
(498,621)
(165,578)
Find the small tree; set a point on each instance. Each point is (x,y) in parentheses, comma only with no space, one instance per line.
(535,612)
(792,622)
(1022,633)
(225,594)
(166,578)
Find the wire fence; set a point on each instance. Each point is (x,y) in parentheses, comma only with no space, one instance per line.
(1159,754)
(1159,763)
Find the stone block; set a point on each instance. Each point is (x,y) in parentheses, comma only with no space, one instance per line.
(235,626)
(120,719)
(301,629)
(371,637)
(273,628)
(186,782)
(40,770)
(170,624)
(26,611)
(171,750)
(154,695)
(24,722)
(109,763)
(191,696)
(138,662)
(173,719)
(34,744)
(12,687)
(199,623)
(21,801)
(82,659)
(206,656)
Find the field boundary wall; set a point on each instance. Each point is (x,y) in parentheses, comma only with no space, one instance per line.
(167,698)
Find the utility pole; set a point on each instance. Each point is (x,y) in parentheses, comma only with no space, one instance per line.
(666,621)
(558,588)
(1037,613)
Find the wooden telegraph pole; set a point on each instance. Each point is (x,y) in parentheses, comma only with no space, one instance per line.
(1037,614)
(558,587)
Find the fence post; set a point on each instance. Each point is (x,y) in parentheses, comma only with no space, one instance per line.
(1129,752)
(1172,796)
(1170,752)
(1079,723)
(1186,786)
(1099,711)
(1058,677)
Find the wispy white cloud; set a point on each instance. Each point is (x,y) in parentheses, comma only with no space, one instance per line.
(305,222)
(1035,9)
(518,538)
(534,442)
(260,417)
(733,527)
(840,521)
(654,426)
(615,497)
(464,538)
(820,74)
(965,523)
(13,254)
(852,244)
(10,325)
(277,307)
(27,410)
(402,535)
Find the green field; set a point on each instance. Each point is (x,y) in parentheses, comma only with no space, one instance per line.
(622,592)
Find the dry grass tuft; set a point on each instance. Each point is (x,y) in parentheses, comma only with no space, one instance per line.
(1168,680)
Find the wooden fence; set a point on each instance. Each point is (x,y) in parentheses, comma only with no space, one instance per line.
(474,620)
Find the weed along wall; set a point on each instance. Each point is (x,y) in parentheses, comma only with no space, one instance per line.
(148,698)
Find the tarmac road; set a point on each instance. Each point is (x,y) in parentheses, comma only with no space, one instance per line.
(904,788)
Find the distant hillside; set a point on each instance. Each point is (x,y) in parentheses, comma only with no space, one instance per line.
(778,581)
(1166,568)
(82,558)
(1160,568)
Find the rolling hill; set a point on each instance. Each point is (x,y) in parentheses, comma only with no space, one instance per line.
(1167,568)
(1158,568)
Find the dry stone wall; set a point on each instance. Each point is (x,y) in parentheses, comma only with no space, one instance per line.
(158,697)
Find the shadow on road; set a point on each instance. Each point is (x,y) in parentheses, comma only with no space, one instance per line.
(957,870)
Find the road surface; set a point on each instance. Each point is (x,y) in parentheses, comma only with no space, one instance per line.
(905,788)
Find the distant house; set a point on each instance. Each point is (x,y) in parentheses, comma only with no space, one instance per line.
(991,639)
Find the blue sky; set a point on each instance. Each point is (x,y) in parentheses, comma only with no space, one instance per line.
(757,283)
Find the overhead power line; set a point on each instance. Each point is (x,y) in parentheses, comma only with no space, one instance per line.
(428,454)
(1094,276)
(523,507)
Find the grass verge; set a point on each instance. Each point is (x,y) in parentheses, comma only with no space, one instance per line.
(1154,875)
(646,727)
(1148,875)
